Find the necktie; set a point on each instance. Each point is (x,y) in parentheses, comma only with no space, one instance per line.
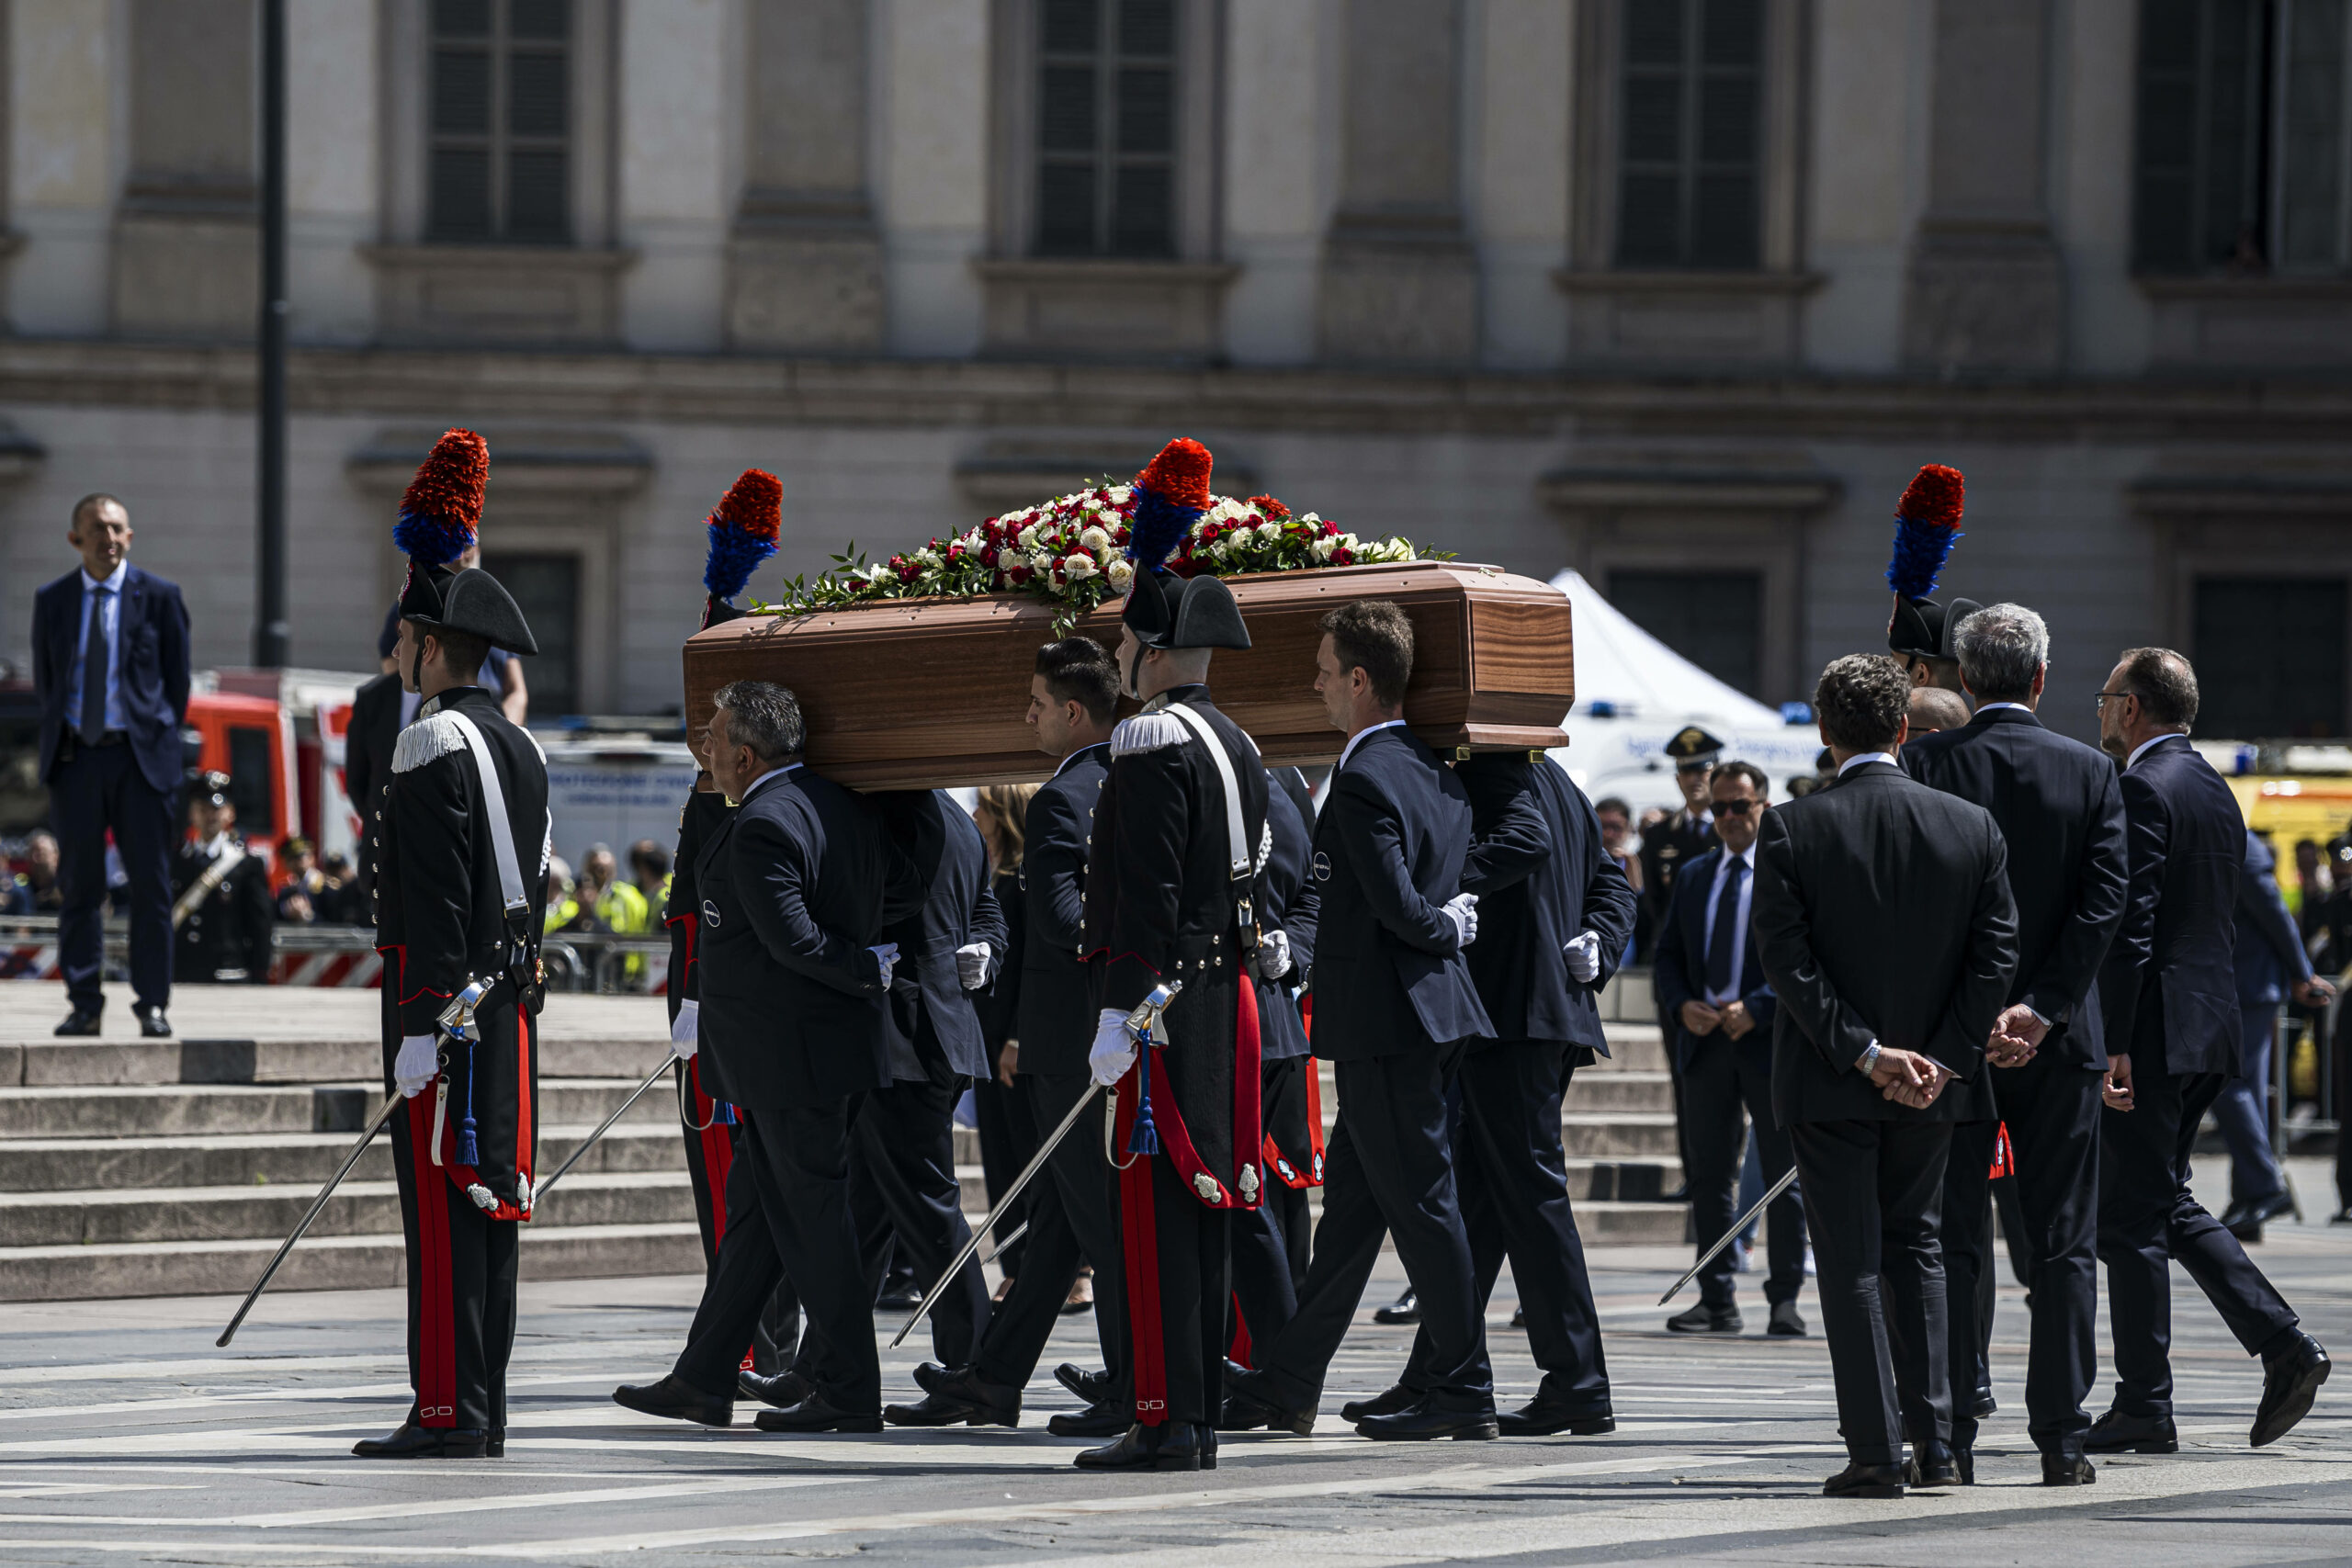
(95,659)
(1722,943)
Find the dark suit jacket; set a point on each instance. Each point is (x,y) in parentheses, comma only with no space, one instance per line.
(1389,970)
(2170,982)
(934,1027)
(1541,879)
(1680,972)
(1057,1023)
(2270,956)
(368,771)
(796,883)
(1291,902)
(151,650)
(1882,913)
(2060,816)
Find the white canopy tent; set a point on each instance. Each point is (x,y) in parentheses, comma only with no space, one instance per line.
(1634,693)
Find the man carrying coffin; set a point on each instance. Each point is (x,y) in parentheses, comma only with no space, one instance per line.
(461,878)
(1171,923)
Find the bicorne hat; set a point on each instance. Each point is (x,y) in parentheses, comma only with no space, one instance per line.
(1163,609)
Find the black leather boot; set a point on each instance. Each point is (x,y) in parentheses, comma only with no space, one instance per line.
(412,1441)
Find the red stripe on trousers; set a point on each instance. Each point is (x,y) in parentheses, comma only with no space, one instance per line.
(437,1328)
(1140,1237)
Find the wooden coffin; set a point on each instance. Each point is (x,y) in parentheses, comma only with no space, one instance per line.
(909,694)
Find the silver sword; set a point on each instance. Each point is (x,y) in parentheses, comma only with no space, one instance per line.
(1737,1226)
(539,1194)
(391,1104)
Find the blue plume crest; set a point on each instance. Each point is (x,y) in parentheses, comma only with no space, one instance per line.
(429,540)
(1158,526)
(734,556)
(1920,551)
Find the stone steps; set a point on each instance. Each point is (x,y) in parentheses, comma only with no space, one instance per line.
(145,1110)
(192,1061)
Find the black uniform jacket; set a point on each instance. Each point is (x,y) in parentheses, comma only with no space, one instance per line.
(1882,912)
(1389,848)
(367,772)
(934,1029)
(1161,903)
(796,884)
(1057,1016)
(682,915)
(441,921)
(1680,973)
(999,1002)
(2170,982)
(227,935)
(1291,902)
(2060,815)
(1666,850)
(1541,879)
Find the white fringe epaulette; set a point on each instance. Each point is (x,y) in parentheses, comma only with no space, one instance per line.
(1146,732)
(434,736)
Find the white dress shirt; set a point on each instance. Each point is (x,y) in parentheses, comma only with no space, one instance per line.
(2137,751)
(1850,763)
(1747,900)
(753,787)
(108,606)
(1358,738)
(1989,707)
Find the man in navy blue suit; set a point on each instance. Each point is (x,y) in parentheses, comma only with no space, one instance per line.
(2271,966)
(2170,991)
(1710,983)
(110,664)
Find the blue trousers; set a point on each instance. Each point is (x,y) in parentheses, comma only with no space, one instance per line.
(101,787)
(2243,1111)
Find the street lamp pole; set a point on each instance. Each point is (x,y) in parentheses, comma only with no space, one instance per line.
(270,632)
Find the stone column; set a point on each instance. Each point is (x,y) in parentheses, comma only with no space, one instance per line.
(805,261)
(1985,285)
(1400,278)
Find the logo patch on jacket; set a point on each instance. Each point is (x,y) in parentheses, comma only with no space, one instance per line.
(709,912)
(1322,866)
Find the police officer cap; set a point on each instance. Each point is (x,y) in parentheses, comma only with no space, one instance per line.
(1922,628)
(209,787)
(1168,611)
(471,601)
(1693,748)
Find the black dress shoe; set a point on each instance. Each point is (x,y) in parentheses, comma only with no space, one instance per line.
(1865,1481)
(2342,1216)
(1420,1424)
(1985,1407)
(2252,1216)
(412,1441)
(957,1394)
(1518,1317)
(1174,1445)
(1250,1403)
(1787,1322)
(816,1413)
(1704,1319)
(677,1401)
(1092,1388)
(2067,1470)
(78,1022)
(1935,1465)
(1107,1419)
(1395,1401)
(898,1298)
(2289,1382)
(1406,1308)
(2116,1433)
(153,1024)
(495,1446)
(783,1390)
(1538,1419)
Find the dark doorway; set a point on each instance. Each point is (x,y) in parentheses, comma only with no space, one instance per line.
(1714,619)
(2269,655)
(547,590)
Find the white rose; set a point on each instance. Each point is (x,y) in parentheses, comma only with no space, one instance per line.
(1117,494)
(1007,558)
(1093,538)
(1028,538)
(1121,572)
(1322,549)
(1041,563)
(1079,566)
(1270,532)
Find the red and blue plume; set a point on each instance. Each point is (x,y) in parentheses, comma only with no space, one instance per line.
(744,529)
(1170,494)
(441,510)
(1927,525)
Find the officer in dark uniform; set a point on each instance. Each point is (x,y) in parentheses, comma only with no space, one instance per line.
(1666,848)
(461,883)
(221,911)
(1171,900)
(1920,635)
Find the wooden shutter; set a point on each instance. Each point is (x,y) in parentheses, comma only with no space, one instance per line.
(1107,128)
(1690,132)
(500,163)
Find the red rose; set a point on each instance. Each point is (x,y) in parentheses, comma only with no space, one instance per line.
(1330,530)
(1343,557)
(1019,574)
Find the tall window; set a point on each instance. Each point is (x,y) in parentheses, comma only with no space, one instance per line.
(1714,619)
(1107,128)
(1692,95)
(547,590)
(502,121)
(2242,153)
(2270,656)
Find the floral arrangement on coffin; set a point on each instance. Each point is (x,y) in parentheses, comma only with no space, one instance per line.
(1073,550)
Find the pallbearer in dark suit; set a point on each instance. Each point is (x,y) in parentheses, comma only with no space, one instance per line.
(1710,983)
(460,905)
(797,886)
(1395,1009)
(1883,923)
(1554,915)
(2170,992)
(1170,897)
(1290,1098)
(1073,1210)
(2056,804)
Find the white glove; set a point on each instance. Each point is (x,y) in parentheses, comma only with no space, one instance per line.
(888,956)
(972,965)
(1584,958)
(685,1034)
(1115,1048)
(418,1064)
(1462,910)
(1274,955)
